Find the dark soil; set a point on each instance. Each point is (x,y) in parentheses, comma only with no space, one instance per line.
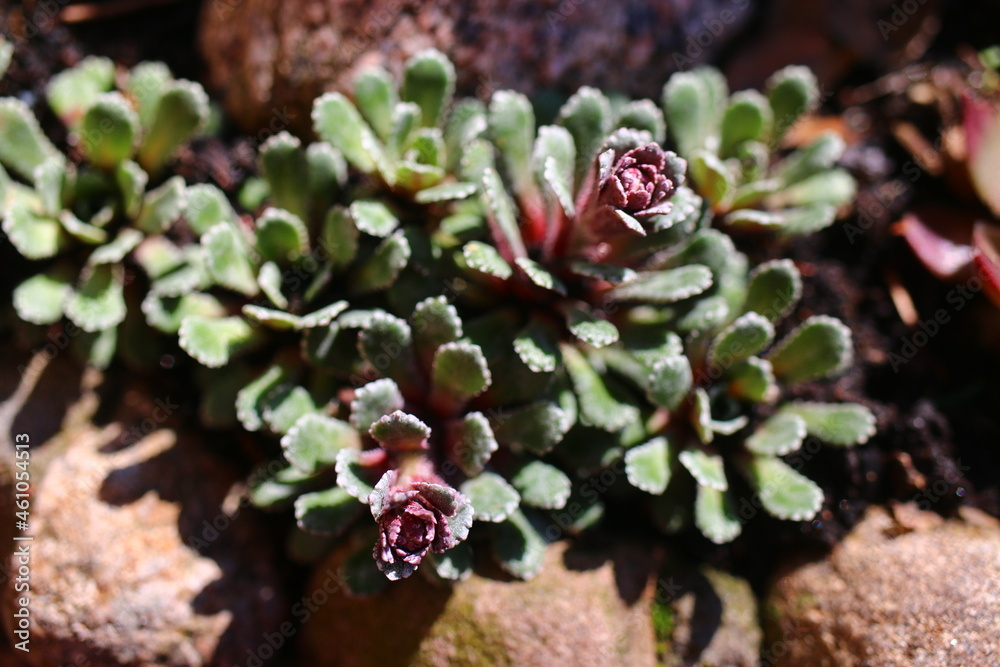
(937,411)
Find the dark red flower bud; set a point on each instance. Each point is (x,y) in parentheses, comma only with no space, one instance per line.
(638,182)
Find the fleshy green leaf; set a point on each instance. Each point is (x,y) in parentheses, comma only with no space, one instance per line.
(715,515)
(778,435)
(536,428)
(512,121)
(842,424)
(819,347)
(40,299)
(399,431)
(23,145)
(643,115)
(460,370)
(387,344)
(161,207)
(500,210)
(587,116)
(706,469)
(166,313)
(314,441)
(429,81)
(269,279)
(711,176)
(688,101)
(384,266)
(145,85)
(648,466)
(792,91)
(539,275)
(99,302)
(376,95)
(492,498)
(116,251)
(338,122)
(278,320)
(283,165)
(669,381)
(598,405)
(665,286)
(181,112)
(753,380)
(784,492)
(373,401)
(34,236)
(518,546)
(212,341)
(329,512)
(281,236)
(131,181)
(205,206)
(250,401)
(72,91)
(352,475)
(375,218)
(485,259)
(747,335)
(774,290)
(339,238)
(554,158)
(455,564)
(542,485)
(746,119)
(108,131)
(701,415)
(434,322)
(590,329)
(228,261)
(473,443)
(446,192)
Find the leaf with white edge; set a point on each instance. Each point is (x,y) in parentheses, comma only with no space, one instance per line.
(434,322)
(512,122)
(536,428)
(715,515)
(485,259)
(774,290)
(284,166)
(778,435)
(23,145)
(429,81)
(376,95)
(746,336)
(34,236)
(706,315)
(748,218)
(192,275)
(384,266)
(518,546)
(687,102)
(181,111)
(338,122)
(611,273)
(161,207)
(373,217)
(665,286)
(461,522)
(269,279)
(648,466)
(712,177)
(598,405)
(446,192)
(792,92)
(228,261)
(99,302)
(81,231)
(754,381)
(165,313)
(492,498)
(213,341)
(477,157)
(278,320)
(276,491)
(473,442)
(669,381)
(708,247)
(146,82)
(843,424)
(542,485)
(98,348)
(250,399)
(747,117)
(116,251)
(206,205)
(281,236)
(554,158)
(807,219)
(729,426)
(466,123)
(834,187)
(460,371)
(71,92)
(282,412)
(373,401)
(643,115)
(108,131)
(327,175)
(131,181)
(701,416)
(819,347)
(540,276)
(501,216)
(587,116)
(6,53)
(40,298)
(339,237)
(322,317)
(352,476)
(387,344)
(706,469)
(686,207)
(783,491)
(590,329)
(328,512)
(455,564)
(314,441)
(405,121)
(400,432)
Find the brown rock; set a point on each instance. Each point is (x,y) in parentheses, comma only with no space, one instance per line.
(907,591)
(584,609)
(271,58)
(125,572)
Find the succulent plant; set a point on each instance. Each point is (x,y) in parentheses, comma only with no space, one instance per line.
(732,143)
(89,216)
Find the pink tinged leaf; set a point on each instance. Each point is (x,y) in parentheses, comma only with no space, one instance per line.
(982,140)
(941,239)
(986,240)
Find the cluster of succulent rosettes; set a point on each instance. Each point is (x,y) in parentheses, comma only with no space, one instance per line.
(87,218)
(733,144)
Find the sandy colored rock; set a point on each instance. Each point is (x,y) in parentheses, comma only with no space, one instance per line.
(912,590)
(119,576)
(271,58)
(716,621)
(584,609)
